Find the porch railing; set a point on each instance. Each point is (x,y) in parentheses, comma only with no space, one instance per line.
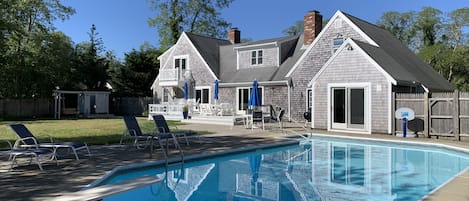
(165,109)
(169,75)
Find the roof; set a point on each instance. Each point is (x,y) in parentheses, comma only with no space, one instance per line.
(398,60)
(290,50)
(208,49)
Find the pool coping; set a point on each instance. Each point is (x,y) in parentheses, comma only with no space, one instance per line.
(293,139)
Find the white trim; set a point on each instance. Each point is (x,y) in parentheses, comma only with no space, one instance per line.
(326,28)
(184,35)
(354,45)
(367,106)
(255,45)
(390,112)
(237,60)
(182,56)
(165,52)
(168,58)
(425,88)
(278,56)
(312,105)
(237,97)
(263,83)
(201,94)
(257,57)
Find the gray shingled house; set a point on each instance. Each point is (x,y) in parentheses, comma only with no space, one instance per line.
(344,72)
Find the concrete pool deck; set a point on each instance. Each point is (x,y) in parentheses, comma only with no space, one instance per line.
(27,182)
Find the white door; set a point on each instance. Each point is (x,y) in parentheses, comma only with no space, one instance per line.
(348,107)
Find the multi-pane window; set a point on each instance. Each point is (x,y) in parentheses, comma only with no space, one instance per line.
(336,43)
(243,97)
(256,57)
(180,64)
(202,95)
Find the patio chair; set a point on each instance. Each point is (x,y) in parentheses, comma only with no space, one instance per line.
(27,140)
(134,132)
(36,154)
(277,116)
(258,116)
(163,127)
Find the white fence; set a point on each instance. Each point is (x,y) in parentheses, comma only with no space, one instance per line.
(165,109)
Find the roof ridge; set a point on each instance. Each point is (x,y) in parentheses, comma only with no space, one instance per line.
(209,37)
(361,20)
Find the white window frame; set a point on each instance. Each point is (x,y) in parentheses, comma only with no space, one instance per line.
(165,97)
(256,57)
(238,111)
(201,88)
(367,106)
(336,47)
(181,57)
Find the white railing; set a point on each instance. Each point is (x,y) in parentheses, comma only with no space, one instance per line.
(169,74)
(165,109)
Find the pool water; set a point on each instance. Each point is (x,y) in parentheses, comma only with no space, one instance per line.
(317,169)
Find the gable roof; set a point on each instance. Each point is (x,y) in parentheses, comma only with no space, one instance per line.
(290,51)
(397,59)
(208,49)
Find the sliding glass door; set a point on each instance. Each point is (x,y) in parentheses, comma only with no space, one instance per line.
(348,107)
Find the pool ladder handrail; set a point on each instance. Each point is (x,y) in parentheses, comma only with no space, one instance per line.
(165,149)
(296,133)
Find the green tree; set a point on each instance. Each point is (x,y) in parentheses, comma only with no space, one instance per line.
(294,30)
(91,68)
(196,16)
(427,24)
(26,28)
(136,76)
(400,25)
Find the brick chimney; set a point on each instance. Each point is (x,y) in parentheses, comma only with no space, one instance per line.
(312,26)
(234,35)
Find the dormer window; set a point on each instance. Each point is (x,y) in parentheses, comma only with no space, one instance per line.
(336,43)
(256,57)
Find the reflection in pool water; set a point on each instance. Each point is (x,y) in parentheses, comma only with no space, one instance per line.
(318,169)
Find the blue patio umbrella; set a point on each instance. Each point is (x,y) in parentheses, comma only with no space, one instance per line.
(186,91)
(254,99)
(255,164)
(215,94)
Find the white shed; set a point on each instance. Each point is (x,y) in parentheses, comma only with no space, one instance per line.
(80,103)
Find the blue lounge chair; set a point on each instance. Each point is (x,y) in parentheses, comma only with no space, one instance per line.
(163,127)
(133,131)
(27,140)
(36,154)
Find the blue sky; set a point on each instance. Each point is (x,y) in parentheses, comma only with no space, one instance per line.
(122,24)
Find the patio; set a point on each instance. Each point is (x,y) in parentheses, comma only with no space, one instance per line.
(29,183)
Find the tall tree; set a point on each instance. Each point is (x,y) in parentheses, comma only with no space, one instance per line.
(427,24)
(196,16)
(22,24)
(294,30)
(400,25)
(91,66)
(137,74)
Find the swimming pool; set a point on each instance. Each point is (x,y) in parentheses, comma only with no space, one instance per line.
(322,168)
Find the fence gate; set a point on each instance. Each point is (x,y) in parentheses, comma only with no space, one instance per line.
(442,114)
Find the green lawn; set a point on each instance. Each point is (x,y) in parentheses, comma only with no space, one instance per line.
(91,131)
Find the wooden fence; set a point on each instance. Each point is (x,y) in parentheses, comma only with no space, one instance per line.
(436,114)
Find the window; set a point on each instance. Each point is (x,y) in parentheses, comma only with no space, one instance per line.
(165,95)
(310,99)
(336,43)
(256,57)
(180,65)
(243,97)
(202,95)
